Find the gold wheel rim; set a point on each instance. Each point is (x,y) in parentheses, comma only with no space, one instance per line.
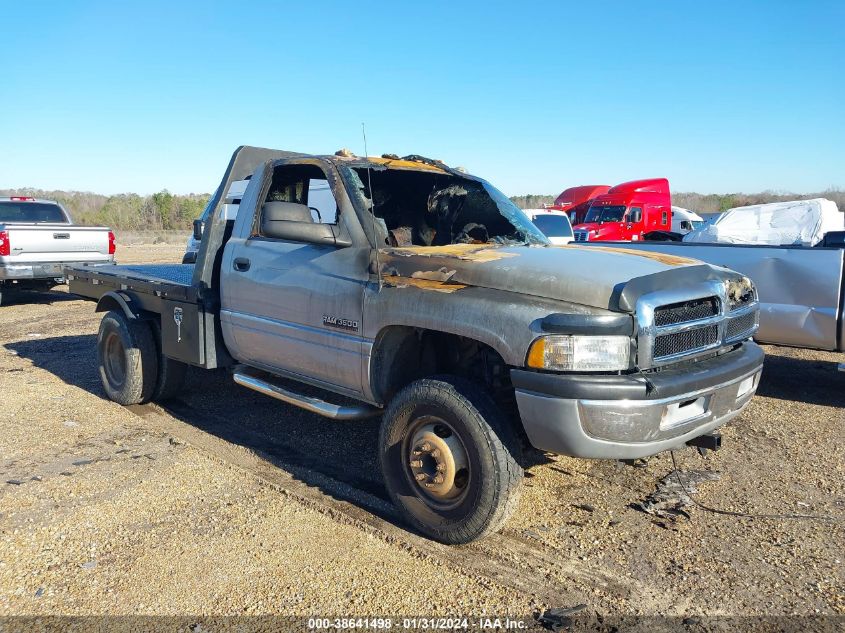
(438,461)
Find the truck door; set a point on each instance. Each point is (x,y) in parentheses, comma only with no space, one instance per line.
(656,218)
(291,306)
(665,219)
(634,228)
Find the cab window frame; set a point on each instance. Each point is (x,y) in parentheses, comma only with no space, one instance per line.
(298,192)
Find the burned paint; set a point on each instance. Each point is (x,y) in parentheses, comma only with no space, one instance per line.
(740,290)
(380,162)
(663,258)
(395,281)
(466,252)
(393,163)
(434,275)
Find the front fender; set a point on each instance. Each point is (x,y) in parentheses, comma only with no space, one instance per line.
(506,321)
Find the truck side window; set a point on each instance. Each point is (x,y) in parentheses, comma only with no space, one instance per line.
(636,215)
(321,201)
(305,186)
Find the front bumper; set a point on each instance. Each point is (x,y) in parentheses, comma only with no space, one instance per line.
(626,417)
(51,270)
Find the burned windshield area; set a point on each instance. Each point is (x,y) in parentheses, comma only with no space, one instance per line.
(417,208)
(613,213)
(31,212)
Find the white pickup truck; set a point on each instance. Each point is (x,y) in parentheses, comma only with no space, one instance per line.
(38,238)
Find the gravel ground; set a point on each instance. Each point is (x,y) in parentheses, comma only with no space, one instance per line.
(230,503)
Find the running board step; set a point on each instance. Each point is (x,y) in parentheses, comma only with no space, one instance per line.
(309,403)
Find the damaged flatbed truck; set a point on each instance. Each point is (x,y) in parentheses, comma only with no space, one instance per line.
(410,290)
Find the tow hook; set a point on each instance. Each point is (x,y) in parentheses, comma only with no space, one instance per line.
(706,442)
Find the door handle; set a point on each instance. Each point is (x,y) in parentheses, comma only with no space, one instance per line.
(241,264)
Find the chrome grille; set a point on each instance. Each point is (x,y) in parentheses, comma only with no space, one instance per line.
(580,236)
(685,311)
(741,326)
(686,341)
(682,323)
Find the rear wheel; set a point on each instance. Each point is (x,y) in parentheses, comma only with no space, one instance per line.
(8,289)
(127,356)
(449,459)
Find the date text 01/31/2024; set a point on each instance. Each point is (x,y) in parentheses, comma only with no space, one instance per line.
(418,623)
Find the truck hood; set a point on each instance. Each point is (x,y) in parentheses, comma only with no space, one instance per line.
(592,276)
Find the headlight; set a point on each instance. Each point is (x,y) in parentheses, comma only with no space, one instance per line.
(740,292)
(580,353)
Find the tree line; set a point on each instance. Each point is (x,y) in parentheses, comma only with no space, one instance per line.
(126,211)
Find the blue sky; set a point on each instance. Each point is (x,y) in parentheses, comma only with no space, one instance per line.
(718,97)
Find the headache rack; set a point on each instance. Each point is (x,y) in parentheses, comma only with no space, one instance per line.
(675,325)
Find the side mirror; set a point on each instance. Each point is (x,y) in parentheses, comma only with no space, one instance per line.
(636,216)
(303,232)
(198,225)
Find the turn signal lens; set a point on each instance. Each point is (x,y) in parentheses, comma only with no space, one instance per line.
(580,353)
(5,246)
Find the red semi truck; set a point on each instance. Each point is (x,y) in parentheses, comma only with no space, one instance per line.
(575,201)
(628,211)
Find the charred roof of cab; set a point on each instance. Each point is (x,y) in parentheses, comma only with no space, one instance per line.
(412,158)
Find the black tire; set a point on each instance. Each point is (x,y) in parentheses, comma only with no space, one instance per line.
(171,373)
(7,292)
(493,477)
(127,358)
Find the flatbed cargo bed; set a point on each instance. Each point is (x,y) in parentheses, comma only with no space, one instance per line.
(169,281)
(165,293)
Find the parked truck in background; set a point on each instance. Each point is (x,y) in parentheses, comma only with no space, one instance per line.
(425,296)
(38,238)
(231,202)
(684,220)
(627,212)
(555,225)
(575,201)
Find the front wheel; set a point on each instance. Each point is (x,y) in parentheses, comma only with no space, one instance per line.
(449,459)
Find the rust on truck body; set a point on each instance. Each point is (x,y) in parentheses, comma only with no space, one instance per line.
(422,284)
(663,258)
